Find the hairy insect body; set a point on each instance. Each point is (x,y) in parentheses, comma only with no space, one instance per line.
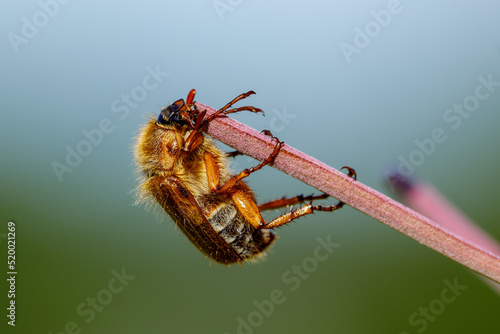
(172,178)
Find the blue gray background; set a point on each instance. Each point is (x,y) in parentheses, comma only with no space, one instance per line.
(350,83)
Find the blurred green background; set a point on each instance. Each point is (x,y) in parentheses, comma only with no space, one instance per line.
(349,83)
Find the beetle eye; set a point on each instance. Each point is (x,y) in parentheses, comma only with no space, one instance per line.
(171,115)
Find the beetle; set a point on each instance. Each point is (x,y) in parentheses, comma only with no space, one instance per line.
(188,175)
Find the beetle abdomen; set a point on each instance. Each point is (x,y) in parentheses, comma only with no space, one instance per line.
(242,237)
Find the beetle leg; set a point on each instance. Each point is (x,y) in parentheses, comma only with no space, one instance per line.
(234,180)
(281,202)
(195,138)
(249,108)
(225,110)
(304,210)
(236,99)
(202,121)
(247,208)
(351,172)
(231,111)
(213,174)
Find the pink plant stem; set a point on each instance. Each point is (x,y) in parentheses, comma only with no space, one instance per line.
(426,199)
(363,198)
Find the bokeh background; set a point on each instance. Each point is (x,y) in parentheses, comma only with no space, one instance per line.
(350,83)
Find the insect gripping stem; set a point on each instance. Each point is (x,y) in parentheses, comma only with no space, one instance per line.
(355,194)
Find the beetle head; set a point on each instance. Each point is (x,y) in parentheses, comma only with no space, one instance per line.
(172,115)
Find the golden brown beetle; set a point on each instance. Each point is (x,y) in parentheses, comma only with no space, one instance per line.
(188,175)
